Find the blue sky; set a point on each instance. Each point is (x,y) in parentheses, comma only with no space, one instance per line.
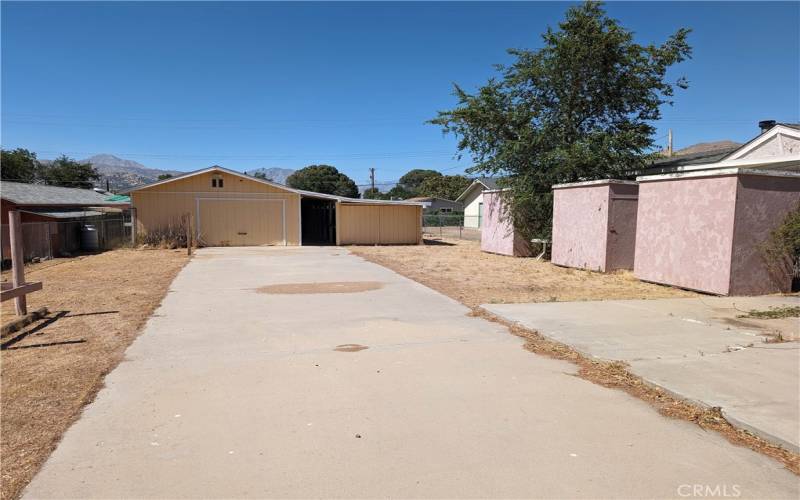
(246,85)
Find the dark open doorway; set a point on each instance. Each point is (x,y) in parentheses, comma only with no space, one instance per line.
(319,221)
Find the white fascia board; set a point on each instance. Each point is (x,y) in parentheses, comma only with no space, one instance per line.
(718,173)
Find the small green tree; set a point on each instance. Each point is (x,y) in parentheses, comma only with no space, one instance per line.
(18,165)
(163,177)
(781,251)
(258,174)
(323,179)
(399,192)
(448,187)
(373,194)
(579,108)
(65,171)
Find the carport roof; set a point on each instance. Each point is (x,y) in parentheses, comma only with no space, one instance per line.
(309,194)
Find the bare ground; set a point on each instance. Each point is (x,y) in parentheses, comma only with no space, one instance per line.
(54,367)
(460,270)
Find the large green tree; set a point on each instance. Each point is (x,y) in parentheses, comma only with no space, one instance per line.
(18,165)
(582,107)
(413,179)
(64,171)
(323,179)
(448,187)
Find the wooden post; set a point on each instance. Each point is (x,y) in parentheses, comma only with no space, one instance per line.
(187,222)
(17,259)
(133,226)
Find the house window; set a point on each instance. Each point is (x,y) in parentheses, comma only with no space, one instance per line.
(216,181)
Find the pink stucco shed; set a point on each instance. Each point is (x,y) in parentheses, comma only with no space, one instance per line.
(497,231)
(594,224)
(703,230)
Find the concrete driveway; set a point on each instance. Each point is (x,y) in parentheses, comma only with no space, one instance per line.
(696,348)
(389,392)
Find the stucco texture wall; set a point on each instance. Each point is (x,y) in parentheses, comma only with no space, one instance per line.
(580,227)
(497,232)
(684,232)
(762,204)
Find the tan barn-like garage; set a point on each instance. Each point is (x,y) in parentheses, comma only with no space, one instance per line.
(232,209)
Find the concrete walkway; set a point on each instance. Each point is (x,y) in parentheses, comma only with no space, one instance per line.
(234,393)
(695,348)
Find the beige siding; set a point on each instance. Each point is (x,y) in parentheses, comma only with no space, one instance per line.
(379,224)
(222,213)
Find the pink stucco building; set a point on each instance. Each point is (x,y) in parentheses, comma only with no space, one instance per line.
(594,224)
(497,231)
(703,230)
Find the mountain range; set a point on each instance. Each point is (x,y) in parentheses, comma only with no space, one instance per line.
(274,174)
(120,174)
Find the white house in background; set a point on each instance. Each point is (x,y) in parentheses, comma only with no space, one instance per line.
(776,148)
(472,199)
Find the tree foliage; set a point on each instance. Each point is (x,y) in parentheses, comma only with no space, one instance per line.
(21,165)
(323,179)
(374,194)
(448,187)
(411,182)
(18,165)
(781,251)
(163,177)
(579,108)
(64,171)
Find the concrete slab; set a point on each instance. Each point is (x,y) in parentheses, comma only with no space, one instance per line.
(695,348)
(234,393)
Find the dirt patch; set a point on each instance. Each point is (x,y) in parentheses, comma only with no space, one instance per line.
(53,367)
(460,270)
(350,348)
(327,287)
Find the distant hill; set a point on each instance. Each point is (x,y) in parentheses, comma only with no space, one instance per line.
(706,147)
(123,174)
(278,175)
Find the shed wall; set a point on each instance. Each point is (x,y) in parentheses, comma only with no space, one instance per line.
(762,205)
(684,232)
(621,244)
(580,227)
(165,204)
(362,224)
(497,234)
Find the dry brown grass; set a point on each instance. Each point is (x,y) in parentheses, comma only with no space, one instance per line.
(97,306)
(460,270)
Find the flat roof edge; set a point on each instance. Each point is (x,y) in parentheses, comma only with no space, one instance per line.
(719,173)
(600,182)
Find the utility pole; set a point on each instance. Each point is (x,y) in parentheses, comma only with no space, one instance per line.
(669,144)
(372,179)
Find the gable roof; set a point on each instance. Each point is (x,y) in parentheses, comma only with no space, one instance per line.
(40,194)
(790,129)
(735,157)
(485,183)
(310,194)
(215,168)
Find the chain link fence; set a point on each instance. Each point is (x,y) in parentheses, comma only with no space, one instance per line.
(452,225)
